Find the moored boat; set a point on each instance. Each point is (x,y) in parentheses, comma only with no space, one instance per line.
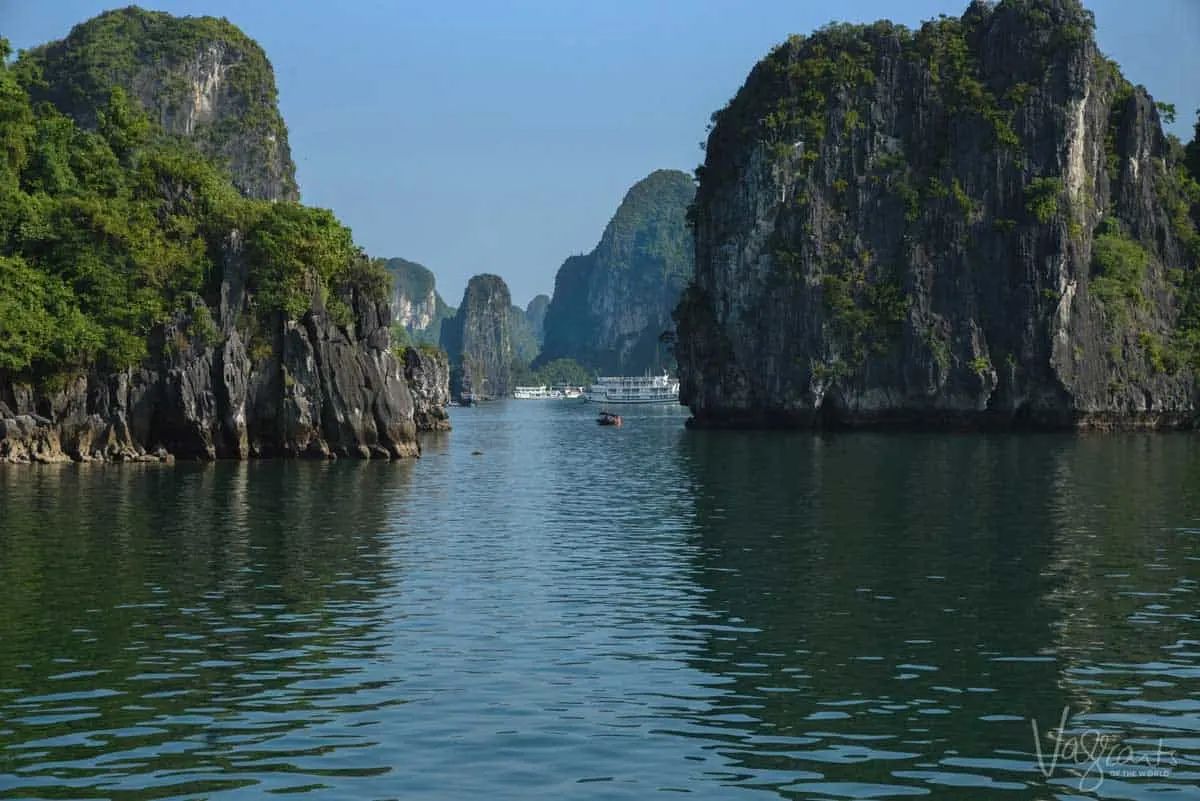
(536,393)
(635,389)
(543,392)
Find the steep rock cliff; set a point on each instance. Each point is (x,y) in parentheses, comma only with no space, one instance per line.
(198,77)
(219,384)
(535,314)
(478,339)
(416,304)
(427,371)
(976,223)
(524,341)
(611,305)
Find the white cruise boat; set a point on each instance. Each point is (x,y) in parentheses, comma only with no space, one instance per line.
(634,389)
(537,393)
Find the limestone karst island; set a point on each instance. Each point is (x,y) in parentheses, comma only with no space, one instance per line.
(600,400)
(980,221)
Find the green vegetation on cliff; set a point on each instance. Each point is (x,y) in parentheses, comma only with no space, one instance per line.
(105,234)
(787,98)
(1181,193)
(1120,270)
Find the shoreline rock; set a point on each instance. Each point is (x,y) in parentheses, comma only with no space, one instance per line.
(304,388)
(939,421)
(427,371)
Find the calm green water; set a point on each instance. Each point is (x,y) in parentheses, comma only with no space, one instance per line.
(587,612)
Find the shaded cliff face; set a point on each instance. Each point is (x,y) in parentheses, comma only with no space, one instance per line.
(610,306)
(535,315)
(979,222)
(199,77)
(478,339)
(520,332)
(220,384)
(416,303)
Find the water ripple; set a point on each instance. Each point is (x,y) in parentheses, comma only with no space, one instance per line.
(583,612)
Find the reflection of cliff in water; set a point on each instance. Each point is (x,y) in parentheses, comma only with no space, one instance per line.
(878,603)
(1123,603)
(226,604)
(434,442)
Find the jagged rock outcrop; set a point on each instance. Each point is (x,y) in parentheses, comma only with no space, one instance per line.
(416,304)
(28,438)
(611,305)
(977,223)
(427,371)
(199,77)
(307,387)
(535,314)
(478,339)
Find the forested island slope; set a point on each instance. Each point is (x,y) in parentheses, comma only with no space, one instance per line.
(147,307)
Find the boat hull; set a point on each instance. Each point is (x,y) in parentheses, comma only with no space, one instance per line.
(615,401)
(546,393)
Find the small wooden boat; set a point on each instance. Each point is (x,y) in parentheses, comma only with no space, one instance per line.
(608,419)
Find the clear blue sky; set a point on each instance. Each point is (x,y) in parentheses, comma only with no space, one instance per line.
(500,135)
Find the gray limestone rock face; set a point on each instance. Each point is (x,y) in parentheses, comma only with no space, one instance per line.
(972,224)
(478,339)
(427,371)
